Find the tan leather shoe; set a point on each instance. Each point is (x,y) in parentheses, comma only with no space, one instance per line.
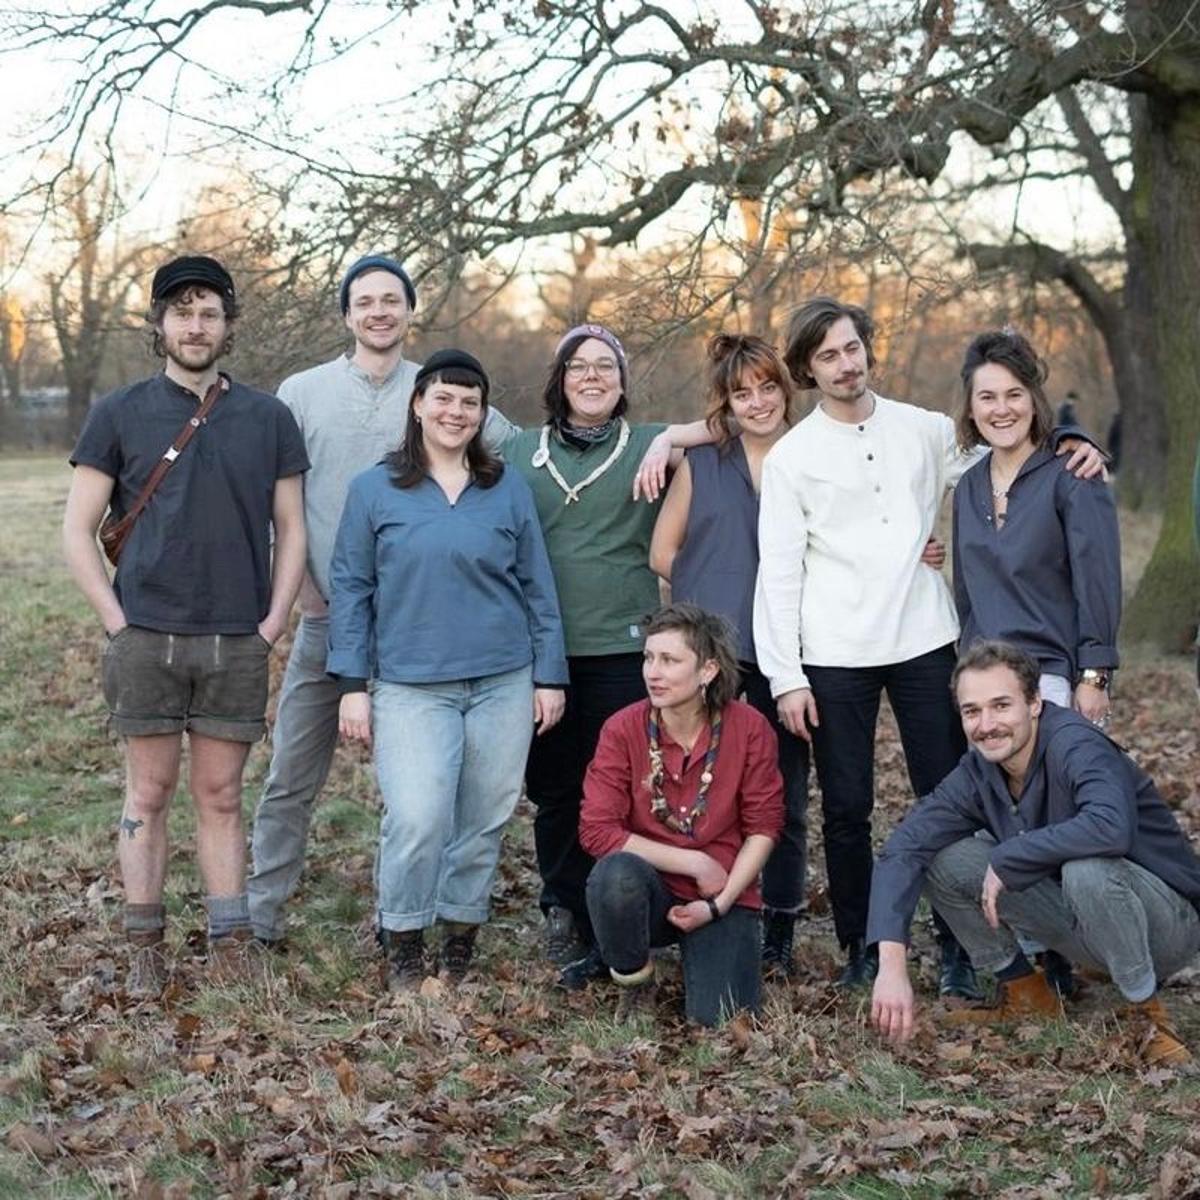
(1161,1046)
(1017,1000)
(149,968)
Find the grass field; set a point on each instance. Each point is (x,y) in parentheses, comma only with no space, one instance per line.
(315,1085)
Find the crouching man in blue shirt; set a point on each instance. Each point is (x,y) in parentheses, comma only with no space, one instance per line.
(1045,830)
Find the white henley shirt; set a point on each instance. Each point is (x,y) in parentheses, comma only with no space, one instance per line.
(845,513)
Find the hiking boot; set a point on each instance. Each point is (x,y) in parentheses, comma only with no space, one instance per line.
(457,950)
(562,942)
(405,958)
(1016,1000)
(778,930)
(862,965)
(1161,1046)
(149,969)
(575,976)
(1059,974)
(236,957)
(957,975)
(636,993)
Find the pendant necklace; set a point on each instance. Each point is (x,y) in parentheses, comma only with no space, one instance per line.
(541,458)
(683,823)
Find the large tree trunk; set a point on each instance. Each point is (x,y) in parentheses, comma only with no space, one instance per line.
(1166,148)
(1133,354)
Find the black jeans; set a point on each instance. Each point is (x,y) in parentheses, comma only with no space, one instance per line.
(722,970)
(844,749)
(600,686)
(783,878)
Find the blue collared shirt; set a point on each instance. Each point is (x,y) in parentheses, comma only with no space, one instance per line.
(1049,578)
(425,591)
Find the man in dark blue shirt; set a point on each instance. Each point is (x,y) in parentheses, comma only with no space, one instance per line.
(1045,830)
(197,600)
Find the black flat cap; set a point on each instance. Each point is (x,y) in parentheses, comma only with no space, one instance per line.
(448,360)
(191,269)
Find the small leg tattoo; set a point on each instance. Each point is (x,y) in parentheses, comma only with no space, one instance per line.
(129,827)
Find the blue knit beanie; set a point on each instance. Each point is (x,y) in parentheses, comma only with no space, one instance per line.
(377,262)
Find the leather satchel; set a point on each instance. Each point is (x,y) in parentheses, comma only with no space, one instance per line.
(114,531)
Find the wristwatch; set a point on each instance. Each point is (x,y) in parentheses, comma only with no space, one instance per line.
(1095,677)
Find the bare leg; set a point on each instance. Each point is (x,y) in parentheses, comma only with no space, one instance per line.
(216,780)
(151,774)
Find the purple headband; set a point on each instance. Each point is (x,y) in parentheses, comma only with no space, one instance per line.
(598,332)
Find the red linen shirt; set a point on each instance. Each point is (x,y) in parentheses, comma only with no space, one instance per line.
(746,795)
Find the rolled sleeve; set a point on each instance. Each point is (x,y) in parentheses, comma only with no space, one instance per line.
(353,582)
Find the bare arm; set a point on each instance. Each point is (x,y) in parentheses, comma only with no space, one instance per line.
(87,502)
(291,548)
(709,875)
(671,526)
(667,451)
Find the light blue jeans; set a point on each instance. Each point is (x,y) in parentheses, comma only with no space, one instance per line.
(450,759)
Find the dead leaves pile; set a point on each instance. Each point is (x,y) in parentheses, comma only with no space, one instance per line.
(316,1086)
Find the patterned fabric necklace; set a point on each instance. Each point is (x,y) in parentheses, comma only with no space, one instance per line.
(683,823)
(541,458)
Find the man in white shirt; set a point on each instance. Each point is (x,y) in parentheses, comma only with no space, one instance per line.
(845,608)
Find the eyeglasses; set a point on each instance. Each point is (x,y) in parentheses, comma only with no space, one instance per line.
(577,368)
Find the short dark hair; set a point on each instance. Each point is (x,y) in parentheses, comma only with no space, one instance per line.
(181,295)
(808,326)
(734,359)
(709,637)
(554,396)
(408,464)
(1011,350)
(984,654)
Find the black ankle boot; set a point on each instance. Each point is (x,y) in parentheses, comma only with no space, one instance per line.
(778,930)
(1059,974)
(406,958)
(957,975)
(862,965)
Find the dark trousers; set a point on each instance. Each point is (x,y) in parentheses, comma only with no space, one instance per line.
(783,878)
(722,972)
(600,686)
(844,749)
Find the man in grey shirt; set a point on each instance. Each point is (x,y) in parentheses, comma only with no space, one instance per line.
(1044,830)
(351,412)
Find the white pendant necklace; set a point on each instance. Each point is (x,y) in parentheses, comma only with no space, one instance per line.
(541,458)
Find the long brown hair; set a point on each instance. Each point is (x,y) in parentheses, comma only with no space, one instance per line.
(409,464)
(734,359)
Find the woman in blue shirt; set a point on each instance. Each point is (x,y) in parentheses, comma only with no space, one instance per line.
(442,593)
(1037,553)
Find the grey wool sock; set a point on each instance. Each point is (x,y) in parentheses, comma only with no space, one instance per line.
(145,918)
(227,914)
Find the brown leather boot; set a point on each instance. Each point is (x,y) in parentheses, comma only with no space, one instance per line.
(236,958)
(1017,1000)
(1161,1046)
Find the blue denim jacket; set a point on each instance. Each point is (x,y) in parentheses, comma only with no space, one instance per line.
(1083,798)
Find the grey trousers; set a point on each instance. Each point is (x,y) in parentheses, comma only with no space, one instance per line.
(1108,914)
(304,739)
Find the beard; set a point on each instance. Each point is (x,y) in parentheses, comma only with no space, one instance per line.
(195,356)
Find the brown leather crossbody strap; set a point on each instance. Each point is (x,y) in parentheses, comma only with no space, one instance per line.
(176,448)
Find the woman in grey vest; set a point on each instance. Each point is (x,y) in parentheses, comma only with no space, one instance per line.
(705,545)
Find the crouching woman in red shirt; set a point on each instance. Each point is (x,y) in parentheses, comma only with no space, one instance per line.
(682,805)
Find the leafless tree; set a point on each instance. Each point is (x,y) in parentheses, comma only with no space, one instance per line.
(631,122)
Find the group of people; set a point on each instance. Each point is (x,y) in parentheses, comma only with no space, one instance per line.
(479,603)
